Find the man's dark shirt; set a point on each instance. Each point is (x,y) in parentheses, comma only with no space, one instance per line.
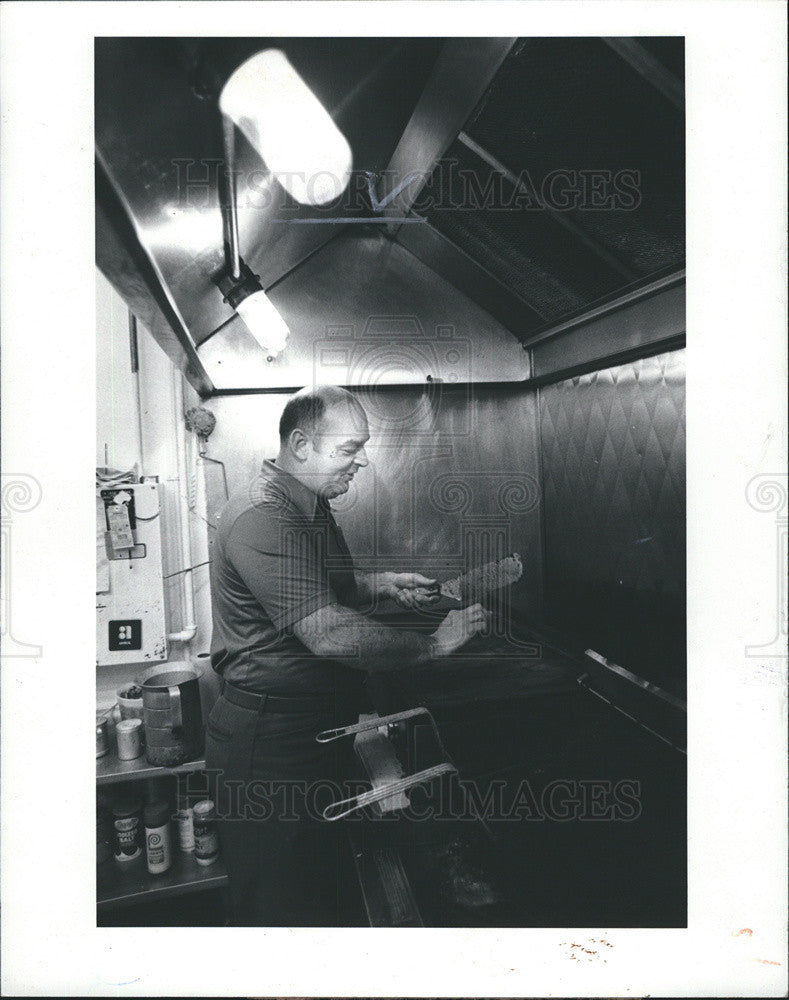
(278,556)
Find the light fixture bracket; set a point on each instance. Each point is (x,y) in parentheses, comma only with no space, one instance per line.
(235,290)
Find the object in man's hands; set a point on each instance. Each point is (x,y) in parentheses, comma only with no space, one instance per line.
(479,582)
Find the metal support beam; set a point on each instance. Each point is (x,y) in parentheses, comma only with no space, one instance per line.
(652,69)
(135,276)
(463,72)
(441,255)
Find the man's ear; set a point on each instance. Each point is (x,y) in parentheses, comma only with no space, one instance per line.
(298,444)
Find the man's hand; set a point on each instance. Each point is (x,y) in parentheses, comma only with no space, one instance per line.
(411,590)
(458,627)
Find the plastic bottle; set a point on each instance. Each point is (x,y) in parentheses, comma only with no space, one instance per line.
(158,850)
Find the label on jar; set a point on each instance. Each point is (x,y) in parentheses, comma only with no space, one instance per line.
(157,849)
(186,831)
(127,838)
(206,840)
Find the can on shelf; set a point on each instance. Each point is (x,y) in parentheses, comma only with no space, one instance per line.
(127,825)
(102,734)
(128,732)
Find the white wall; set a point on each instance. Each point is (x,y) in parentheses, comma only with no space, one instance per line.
(150,436)
(117,440)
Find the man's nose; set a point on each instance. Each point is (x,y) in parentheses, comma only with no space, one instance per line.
(361,458)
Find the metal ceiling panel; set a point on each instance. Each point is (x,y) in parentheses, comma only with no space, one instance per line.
(463,71)
(464,272)
(523,247)
(363,311)
(578,105)
(636,327)
(162,147)
(125,262)
(587,117)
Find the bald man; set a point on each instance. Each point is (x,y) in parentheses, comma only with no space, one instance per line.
(293,650)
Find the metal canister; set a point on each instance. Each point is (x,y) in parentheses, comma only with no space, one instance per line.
(206,839)
(129,735)
(102,734)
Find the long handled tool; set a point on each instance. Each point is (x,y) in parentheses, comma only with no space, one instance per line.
(389,784)
(478,583)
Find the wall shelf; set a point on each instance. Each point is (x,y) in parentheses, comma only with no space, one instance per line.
(110,769)
(121,883)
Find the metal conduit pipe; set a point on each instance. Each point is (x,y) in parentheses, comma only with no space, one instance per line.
(188,632)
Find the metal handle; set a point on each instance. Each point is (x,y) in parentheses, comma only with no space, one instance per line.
(176,711)
(356,802)
(363,727)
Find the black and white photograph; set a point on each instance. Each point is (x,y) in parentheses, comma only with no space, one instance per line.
(399,510)
(391,481)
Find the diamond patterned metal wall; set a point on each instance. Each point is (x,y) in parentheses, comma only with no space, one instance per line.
(613,452)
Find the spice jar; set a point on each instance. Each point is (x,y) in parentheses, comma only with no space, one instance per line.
(127,824)
(129,735)
(158,851)
(206,839)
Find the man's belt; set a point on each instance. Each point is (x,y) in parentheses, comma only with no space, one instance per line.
(260,701)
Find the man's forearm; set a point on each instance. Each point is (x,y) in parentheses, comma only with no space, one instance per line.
(373,585)
(342,634)
(369,646)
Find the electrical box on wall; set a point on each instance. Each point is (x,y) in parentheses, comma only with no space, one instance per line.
(130,613)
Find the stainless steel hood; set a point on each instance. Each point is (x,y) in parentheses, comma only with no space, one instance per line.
(505,112)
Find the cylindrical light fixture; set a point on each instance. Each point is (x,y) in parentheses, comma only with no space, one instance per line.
(261,318)
(287,125)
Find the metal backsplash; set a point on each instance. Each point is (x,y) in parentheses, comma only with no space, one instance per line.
(452,478)
(613,469)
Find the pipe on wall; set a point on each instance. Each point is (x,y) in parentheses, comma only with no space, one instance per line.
(188,632)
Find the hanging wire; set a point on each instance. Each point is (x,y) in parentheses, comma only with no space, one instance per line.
(188,569)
